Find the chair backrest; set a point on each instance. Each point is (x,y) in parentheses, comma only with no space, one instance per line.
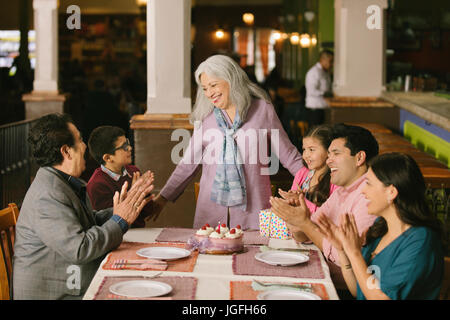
(8,219)
(4,281)
(303,127)
(445,290)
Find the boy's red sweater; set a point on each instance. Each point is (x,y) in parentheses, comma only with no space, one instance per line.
(101,188)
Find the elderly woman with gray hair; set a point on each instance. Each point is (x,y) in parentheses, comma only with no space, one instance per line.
(235,129)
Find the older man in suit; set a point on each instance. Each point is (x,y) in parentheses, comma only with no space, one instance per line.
(60,240)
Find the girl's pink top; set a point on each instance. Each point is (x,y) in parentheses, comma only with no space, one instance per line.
(300,177)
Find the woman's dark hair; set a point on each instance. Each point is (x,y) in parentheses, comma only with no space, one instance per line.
(47,137)
(102,141)
(401,171)
(357,139)
(321,191)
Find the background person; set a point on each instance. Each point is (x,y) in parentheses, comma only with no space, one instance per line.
(318,85)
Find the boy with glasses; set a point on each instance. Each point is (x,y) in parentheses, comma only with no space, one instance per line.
(112,150)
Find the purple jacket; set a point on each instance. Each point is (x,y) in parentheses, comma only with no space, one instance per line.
(260,129)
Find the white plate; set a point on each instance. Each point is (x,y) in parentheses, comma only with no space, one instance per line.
(287,294)
(281,258)
(140,288)
(163,253)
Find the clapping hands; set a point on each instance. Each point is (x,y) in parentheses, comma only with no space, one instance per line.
(158,201)
(294,211)
(345,237)
(136,176)
(291,196)
(128,204)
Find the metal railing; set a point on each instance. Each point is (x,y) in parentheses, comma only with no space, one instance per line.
(16,164)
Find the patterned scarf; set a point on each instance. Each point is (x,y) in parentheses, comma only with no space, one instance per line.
(229,183)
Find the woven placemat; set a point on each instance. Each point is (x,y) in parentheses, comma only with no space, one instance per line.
(175,235)
(183,288)
(251,237)
(127,251)
(242,290)
(246,264)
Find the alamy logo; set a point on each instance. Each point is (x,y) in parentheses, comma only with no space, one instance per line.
(374,21)
(373,282)
(74,20)
(253,141)
(74,280)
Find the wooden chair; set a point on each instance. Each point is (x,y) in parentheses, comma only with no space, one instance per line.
(302,127)
(445,290)
(298,130)
(4,281)
(8,219)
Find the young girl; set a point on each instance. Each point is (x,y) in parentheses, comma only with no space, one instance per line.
(314,178)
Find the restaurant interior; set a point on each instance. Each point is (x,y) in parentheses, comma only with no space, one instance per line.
(110,62)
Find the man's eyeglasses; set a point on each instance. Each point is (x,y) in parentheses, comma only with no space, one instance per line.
(124,146)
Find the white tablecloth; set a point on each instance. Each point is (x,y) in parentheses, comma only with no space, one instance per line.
(214,272)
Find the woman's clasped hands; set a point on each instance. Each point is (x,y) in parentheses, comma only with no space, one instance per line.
(344,237)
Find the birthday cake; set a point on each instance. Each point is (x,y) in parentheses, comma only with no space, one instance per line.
(220,240)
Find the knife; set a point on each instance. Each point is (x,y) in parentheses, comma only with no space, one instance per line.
(305,251)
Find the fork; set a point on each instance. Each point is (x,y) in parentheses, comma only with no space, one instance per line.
(290,285)
(144,263)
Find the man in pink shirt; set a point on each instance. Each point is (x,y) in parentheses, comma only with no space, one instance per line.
(348,154)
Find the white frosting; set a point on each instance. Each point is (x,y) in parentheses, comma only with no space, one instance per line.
(223,230)
(217,235)
(206,232)
(232,235)
(239,231)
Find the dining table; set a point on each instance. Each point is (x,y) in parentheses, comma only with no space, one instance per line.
(212,276)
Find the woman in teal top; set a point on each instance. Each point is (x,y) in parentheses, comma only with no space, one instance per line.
(403,256)
(411,266)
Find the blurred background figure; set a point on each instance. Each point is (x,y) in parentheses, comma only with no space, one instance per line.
(318,86)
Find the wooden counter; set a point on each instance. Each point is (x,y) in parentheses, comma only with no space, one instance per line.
(358,102)
(423,104)
(161,121)
(362,109)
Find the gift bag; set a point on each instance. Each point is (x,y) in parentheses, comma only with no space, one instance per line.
(271,226)
(264,222)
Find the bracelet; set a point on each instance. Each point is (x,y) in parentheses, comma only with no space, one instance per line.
(348,266)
